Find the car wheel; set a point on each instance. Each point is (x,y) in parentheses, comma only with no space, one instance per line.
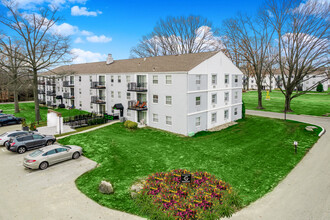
(0,124)
(21,150)
(49,143)
(75,155)
(43,165)
(4,144)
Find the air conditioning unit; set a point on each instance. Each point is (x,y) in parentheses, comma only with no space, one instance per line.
(214,87)
(213,106)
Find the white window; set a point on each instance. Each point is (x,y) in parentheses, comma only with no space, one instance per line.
(236,79)
(90,78)
(168,120)
(128,112)
(226,79)
(226,96)
(236,95)
(155,99)
(198,79)
(235,111)
(155,117)
(128,79)
(155,79)
(58,89)
(252,81)
(198,100)
(214,79)
(112,78)
(128,95)
(90,92)
(198,121)
(214,98)
(168,100)
(214,117)
(80,103)
(226,114)
(168,79)
(112,94)
(91,106)
(79,78)
(119,79)
(119,95)
(79,90)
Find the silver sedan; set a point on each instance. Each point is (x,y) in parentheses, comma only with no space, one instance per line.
(46,156)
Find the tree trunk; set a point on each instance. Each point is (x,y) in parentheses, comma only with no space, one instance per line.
(270,82)
(260,98)
(16,101)
(248,82)
(35,95)
(287,107)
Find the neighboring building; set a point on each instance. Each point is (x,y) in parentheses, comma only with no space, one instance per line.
(178,93)
(306,84)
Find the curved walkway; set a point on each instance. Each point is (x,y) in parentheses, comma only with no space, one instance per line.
(305,193)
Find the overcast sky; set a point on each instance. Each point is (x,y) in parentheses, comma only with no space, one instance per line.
(99,27)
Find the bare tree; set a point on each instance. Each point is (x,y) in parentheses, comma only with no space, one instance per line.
(252,36)
(179,35)
(12,64)
(270,65)
(45,48)
(302,35)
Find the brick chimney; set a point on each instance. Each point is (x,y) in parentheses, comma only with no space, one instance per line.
(109,59)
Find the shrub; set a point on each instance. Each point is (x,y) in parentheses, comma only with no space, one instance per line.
(24,124)
(243,110)
(126,123)
(319,87)
(206,197)
(132,125)
(33,126)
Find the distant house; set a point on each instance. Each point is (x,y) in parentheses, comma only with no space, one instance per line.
(179,93)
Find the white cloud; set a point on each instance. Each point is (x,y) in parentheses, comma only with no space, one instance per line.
(76,11)
(86,33)
(65,29)
(99,39)
(82,56)
(78,40)
(28,4)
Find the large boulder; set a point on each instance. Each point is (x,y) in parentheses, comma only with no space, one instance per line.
(105,187)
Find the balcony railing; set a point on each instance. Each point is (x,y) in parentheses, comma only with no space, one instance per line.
(97,85)
(137,87)
(68,95)
(137,105)
(98,99)
(68,84)
(41,82)
(50,83)
(42,101)
(51,104)
(41,91)
(51,93)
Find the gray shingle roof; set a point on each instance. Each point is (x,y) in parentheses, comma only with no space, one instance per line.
(173,63)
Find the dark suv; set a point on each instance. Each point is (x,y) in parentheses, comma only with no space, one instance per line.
(20,144)
(9,120)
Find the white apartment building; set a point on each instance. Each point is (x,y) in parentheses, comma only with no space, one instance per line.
(306,84)
(180,93)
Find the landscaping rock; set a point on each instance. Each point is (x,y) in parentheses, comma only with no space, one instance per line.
(105,187)
(137,187)
(310,128)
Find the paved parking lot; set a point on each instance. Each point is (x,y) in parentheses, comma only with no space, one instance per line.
(48,194)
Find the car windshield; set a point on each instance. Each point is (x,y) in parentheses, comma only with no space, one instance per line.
(4,134)
(36,153)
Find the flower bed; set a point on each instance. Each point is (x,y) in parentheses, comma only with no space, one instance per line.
(165,197)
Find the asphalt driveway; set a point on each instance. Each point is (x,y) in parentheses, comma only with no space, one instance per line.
(48,194)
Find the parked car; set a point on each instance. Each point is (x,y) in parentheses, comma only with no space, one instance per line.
(20,144)
(6,136)
(46,156)
(9,120)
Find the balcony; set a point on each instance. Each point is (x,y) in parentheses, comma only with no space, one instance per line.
(41,82)
(42,101)
(50,83)
(137,106)
(98,100)
(97,85)
(68,84)
(51,93)
(51,104)
(41,91)
(137,87)
(68,96)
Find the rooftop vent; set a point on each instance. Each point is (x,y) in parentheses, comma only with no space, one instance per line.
(109,59)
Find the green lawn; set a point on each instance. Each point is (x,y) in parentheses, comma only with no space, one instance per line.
(308,104)
(27,111)
(252,156)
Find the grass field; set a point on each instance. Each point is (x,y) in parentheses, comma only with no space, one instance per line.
(308,104)
(27,111)
(252,156)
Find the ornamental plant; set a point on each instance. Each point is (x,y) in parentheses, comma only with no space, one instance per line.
(206,197)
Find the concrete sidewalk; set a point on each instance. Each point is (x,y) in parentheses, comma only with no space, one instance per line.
(305,193)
